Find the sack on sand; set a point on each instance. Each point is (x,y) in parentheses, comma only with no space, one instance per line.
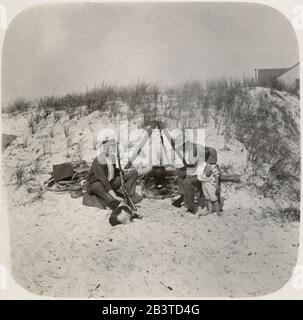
(93,201)
(70,170)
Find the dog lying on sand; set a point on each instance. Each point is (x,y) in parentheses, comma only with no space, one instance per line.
(123,214)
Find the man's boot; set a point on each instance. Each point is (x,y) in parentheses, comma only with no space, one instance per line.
(193,210)
(178,202)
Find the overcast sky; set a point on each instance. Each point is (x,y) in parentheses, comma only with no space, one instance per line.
(64,48)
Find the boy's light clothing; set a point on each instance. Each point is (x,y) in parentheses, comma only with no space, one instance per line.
(201,176)
(209,191)
(208,183)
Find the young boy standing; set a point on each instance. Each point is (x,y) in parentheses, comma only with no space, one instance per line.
(209,175)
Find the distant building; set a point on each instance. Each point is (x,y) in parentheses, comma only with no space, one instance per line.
(275,76)
(266,77)
(291,77)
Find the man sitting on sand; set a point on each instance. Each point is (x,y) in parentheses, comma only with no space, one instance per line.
(104,177)
(187,175)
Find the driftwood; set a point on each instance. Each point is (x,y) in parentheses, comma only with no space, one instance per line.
(279,95)
(161,172)
(231,178)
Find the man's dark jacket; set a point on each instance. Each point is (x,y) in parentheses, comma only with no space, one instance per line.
(99,172)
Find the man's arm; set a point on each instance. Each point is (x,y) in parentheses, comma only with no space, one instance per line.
(101,176)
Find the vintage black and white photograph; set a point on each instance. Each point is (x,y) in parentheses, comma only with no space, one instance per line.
(151,150)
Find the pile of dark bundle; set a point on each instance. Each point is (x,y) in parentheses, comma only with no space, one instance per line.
(159,188)
(67,177)
(159,183)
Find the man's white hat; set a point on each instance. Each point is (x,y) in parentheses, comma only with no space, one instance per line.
(107,136)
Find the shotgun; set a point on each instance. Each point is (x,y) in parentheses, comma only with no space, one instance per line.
(128,199)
